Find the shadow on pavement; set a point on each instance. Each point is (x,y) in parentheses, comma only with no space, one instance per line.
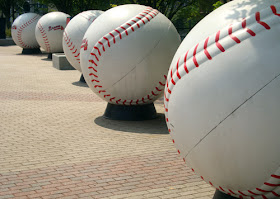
(37,55)
(46,59)
(155,126)
(79,83)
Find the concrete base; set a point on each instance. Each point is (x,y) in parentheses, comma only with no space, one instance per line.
(50,56)
(130,113)
(60,62)
(7,42)
(27,51)
(221,195)
(82,79)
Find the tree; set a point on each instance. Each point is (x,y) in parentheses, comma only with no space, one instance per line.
(168,7)
(5,7)
(9,7)
(73,7)
(187,17)
(183,13)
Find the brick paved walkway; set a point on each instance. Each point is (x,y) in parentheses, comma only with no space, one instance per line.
(55,144)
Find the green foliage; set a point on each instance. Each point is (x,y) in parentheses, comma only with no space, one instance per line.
(217,4)
(8,32)
(186,18)
(73,7)
(9,7)
(187,15)
(183,13)
(168,7)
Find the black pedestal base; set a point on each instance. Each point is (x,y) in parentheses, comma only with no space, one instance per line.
(130,113)
(221,195)
(82,79)
(50,56)
(29,51)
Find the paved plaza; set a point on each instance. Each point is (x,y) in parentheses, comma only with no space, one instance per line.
(54,142)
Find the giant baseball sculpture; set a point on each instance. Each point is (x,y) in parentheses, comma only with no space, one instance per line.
(49,31)
(222,99)
(74,33)
(23,30)
(126,54)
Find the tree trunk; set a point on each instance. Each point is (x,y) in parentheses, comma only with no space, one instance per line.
(8,23)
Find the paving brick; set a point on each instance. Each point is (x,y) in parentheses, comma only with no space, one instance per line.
(79,188)
(37,195)
(50,189)
(24,193)
(155,194)
(76,192)
(70,197)
(56,144)
(187,193)
(173,195)
(7,196)
(31,189)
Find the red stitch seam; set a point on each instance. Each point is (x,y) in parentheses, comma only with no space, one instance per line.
(185,62)
(271,185)
(73,49)
(87,16)
(273,8)
(130,27)
(19,33)
(205,49)
(95,56)
(132,24)
(247,29)
(217,42)
(242,193)
(46,41)
(114,40)
(253,193)
(194,54)
(258,19)
(275,194)
(275,176)
(232,36)
(220,47)
(92,68)
(178,75)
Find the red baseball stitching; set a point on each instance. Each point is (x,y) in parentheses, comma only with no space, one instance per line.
(45,37)
(111,38)
(269,186)
(19,33)
(88,16)
(73,50)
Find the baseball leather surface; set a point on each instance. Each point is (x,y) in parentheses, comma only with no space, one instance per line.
(49,31)
(23,30)
(74,33)
(222,99)
(128,52)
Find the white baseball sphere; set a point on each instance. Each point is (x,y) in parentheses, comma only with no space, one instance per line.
(74,33)
(49,31)
(23,30)
(222,99)
(129,50)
